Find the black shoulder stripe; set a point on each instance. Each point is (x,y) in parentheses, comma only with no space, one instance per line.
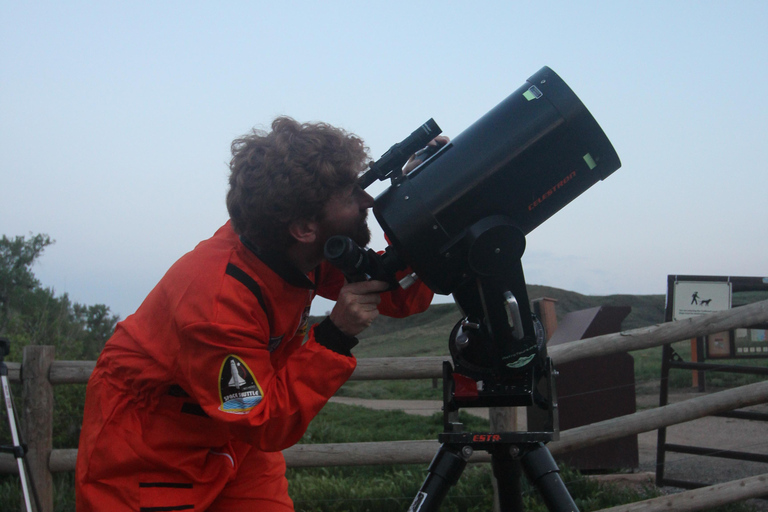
(248,281)
(193,408)
(166,509)
(168,485)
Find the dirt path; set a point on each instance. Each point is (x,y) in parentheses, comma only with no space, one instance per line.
(710,432)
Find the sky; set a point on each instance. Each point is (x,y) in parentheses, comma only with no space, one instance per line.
(116,120)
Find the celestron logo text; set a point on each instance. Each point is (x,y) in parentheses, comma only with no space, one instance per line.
(551,191)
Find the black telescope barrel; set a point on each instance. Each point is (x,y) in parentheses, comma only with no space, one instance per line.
(367,178)
(520,163)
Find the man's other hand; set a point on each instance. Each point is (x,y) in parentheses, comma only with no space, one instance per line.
(417,159)
(356,306)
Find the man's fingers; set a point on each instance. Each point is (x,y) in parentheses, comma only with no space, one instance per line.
(367,287)
(357,305)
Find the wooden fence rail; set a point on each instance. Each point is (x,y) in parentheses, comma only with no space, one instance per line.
(41,372)
(406,368)
(701,499)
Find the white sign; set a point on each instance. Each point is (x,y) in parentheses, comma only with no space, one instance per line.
(699,298)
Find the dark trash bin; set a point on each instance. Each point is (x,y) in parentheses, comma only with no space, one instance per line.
(594,389)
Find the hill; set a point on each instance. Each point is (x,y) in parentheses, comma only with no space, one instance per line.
(427,333)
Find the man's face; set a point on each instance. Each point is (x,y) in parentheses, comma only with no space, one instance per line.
(345,214)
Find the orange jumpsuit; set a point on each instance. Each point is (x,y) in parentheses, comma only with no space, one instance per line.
(196,393)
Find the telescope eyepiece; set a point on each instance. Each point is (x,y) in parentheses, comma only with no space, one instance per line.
(358,264)
(343,253)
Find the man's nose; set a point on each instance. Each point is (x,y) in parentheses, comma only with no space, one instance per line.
(365,200)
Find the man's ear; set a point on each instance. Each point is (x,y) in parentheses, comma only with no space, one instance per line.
(304,231)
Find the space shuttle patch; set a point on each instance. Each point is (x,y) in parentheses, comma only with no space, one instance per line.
(239,390)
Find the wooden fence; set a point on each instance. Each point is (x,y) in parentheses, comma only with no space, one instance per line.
(41,372)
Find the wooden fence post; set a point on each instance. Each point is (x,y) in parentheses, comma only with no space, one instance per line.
(37,419)
(502,419)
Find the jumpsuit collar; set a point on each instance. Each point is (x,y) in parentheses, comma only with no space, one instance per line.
(280,265)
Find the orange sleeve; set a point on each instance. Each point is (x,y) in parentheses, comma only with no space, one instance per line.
(396,303)
(229,372)
(399,303)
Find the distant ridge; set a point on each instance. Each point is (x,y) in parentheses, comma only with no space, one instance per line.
(427,333)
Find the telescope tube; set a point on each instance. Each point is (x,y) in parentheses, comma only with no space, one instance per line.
(519,164)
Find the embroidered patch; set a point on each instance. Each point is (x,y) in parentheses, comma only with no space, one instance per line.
(239,391)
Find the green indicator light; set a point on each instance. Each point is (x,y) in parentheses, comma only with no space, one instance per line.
(590,161)
(533,93)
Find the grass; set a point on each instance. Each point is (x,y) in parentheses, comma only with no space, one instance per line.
(378,488)
(385,488)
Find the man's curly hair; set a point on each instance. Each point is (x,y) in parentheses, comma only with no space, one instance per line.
(287,175)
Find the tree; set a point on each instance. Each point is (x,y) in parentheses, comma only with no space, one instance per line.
(32,314)
(16,259)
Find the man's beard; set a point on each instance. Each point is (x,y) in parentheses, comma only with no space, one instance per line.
(362,235)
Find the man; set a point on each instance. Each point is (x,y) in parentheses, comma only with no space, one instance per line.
(196,393)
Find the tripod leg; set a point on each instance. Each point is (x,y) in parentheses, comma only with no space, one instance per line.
(18,450)
(444,472)
(543,472)
(508,472)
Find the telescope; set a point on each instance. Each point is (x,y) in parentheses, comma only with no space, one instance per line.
(459,221)
(460,218)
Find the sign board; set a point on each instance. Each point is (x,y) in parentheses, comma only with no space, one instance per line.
(719,345)
(692,298)
(751,342)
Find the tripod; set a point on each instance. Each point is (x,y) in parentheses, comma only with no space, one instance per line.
(17,449)
(512,454)
(500,360)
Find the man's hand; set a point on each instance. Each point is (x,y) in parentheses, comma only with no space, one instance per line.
(356,306)
(415,161)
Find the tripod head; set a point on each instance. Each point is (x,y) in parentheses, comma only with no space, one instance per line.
(460,218)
